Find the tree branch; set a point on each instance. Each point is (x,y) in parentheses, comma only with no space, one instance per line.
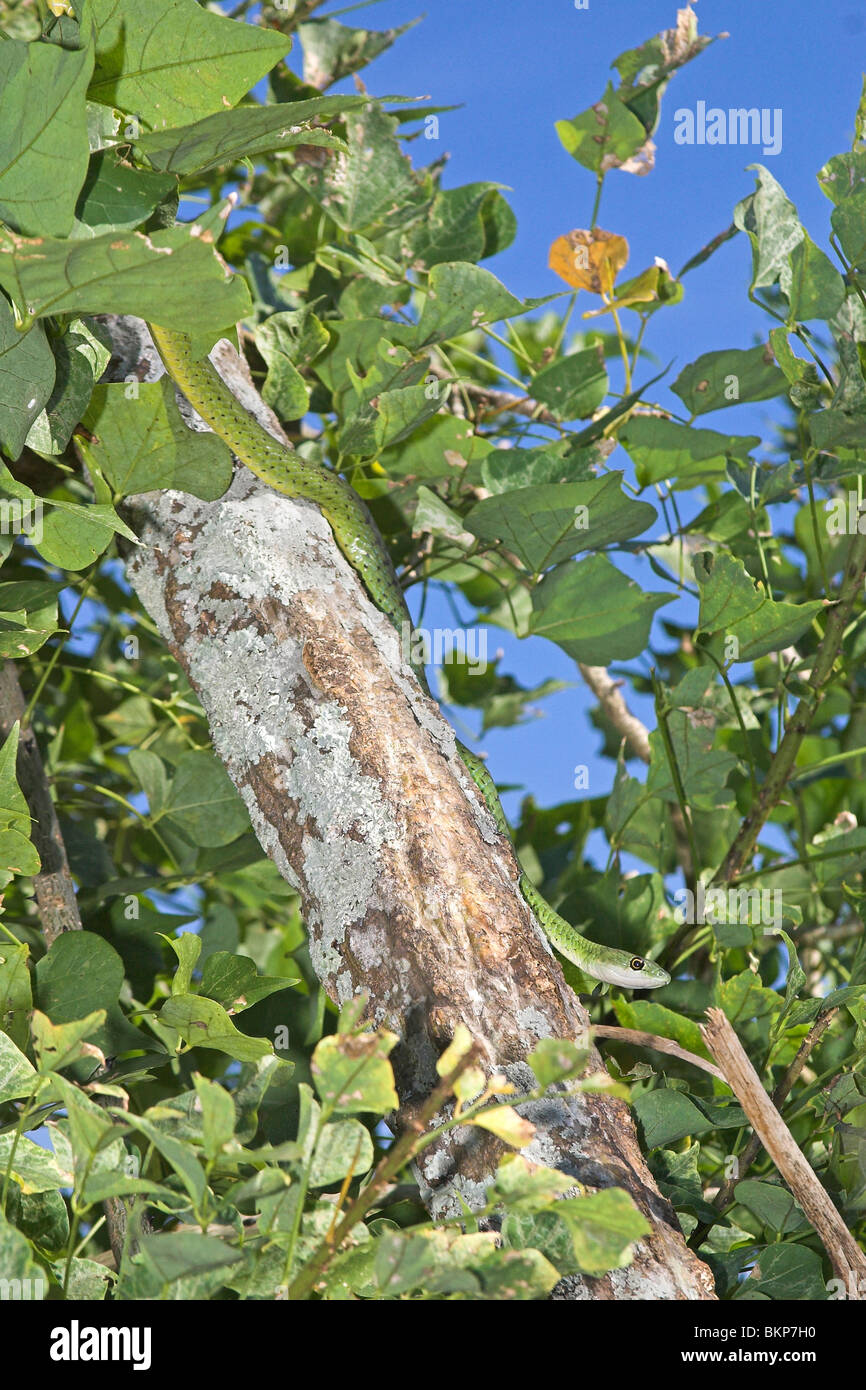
(726,1193)
(657,1043)
(846,1257)
(53,885)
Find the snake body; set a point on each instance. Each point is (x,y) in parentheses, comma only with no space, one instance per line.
(359,539)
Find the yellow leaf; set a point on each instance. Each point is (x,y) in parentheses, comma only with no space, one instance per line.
(506,1124)
(589,260)
(642,290)
(469,1084)
(456,1051)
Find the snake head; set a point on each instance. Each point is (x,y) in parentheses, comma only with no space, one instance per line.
(630,971)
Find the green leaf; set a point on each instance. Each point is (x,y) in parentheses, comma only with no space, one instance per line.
(593,612)
(460,297)
(80,358)
(203,802)
(34,1168)
(663,449)
(794,980)
(15,997)
(332,50)
(352,1072)
(88,1281)
(844,176)
(18,1077)
(720,379)
(278,339)
(43,140)
(44,1219)
(217,1115)
(773,1205)
(557,1059)
(605,135)
(458,225)
(849,224)
(573,387)
(503,470)
(116,197)
(704,767)
(181,1254)
(17,854)
(523,1185)
(743,997)
(149,771)
(175,61)
(231,136)
(552,521)
(370,185)
(79,974)
(666,1116)
(27,372)
(28,610)
(679,1180)
(56,1045)
(436,517)
(789,1273)
(92,1135)
(70,535)
(770,221)
(442,447)
(18,1264)
(734,606)
(179,1155)
(665,1023)
(805,386)
(812,284)
(204,1023)
(343,1147)
(187,948)
(587,1234)
(234,982)
(171,277)
(604,1227)
(141,443)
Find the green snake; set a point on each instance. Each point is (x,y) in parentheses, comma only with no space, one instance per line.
(359,539)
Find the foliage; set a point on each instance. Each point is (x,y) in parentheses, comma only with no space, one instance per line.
(202,1072)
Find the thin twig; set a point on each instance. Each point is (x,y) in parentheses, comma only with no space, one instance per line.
(782,764)
(846,1257)
(608,692)
(658,1044)
(726,1195)
(53,885)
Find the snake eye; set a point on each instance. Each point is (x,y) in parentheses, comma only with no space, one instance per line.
(636,963)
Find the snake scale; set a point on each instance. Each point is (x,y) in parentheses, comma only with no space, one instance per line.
(358,538)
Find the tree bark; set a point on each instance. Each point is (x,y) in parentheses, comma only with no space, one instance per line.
(355,790)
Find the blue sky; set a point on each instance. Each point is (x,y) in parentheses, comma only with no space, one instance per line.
(517,68)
